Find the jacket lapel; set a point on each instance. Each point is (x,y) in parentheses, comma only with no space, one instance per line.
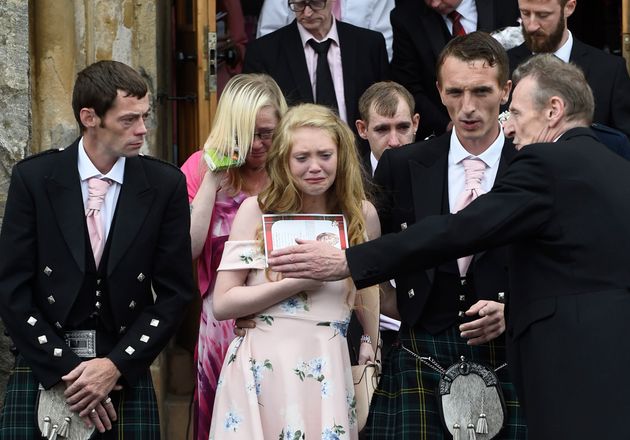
(349,50)
(435,27)
(64,190)
(134,203)
(507,154)
(428,171)
(579,55)
(294,54)
(427,179)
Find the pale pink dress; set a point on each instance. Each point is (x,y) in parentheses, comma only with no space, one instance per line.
(214,336)
(290,377)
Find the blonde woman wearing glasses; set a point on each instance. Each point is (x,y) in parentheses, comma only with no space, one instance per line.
(248,111)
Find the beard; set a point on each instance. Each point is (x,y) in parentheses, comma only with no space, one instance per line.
(538,42)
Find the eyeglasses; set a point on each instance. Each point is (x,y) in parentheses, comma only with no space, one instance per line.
(315,5)
(264,135)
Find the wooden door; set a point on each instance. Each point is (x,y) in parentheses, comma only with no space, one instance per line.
(194,74)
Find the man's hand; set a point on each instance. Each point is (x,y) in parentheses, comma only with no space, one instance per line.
(102,416)
(89,384)
(310,259)
(491,322)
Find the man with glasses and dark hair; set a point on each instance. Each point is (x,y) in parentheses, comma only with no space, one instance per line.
(319,59)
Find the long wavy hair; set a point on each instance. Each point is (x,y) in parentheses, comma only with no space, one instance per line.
(235,120)
(345,196)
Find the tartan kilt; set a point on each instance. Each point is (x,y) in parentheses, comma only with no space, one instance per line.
(404,405)
(136,408)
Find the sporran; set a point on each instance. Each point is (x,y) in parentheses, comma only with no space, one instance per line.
(469,397)
(54,418)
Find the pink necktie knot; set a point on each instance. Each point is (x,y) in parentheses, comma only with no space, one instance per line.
(474,169)
(97,189)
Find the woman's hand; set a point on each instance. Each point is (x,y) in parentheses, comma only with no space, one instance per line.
(366,353)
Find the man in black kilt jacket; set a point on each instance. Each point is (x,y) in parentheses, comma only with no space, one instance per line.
(446,312)
(95,265)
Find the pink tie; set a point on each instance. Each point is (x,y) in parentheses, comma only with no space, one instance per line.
(97,188)
(474,169)
(336,9)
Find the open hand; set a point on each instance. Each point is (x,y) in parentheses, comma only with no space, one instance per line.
(310,259)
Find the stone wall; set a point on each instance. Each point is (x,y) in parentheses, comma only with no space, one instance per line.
(15,117)
(122,30)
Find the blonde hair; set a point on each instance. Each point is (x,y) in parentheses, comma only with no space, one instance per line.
(346,194)
(235,120)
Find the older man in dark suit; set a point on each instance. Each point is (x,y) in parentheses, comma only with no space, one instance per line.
(95,266)
(319,59)
(545,31)
(562,206)
(421,30)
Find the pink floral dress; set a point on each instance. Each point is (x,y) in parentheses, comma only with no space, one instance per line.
(214,336)
(289,378)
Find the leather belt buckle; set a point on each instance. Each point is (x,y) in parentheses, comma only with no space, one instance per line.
(82,342)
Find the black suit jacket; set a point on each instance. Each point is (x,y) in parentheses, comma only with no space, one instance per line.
(606,74)
(420,34)
(43,255)
(413,183)
(563,209)
(280,54)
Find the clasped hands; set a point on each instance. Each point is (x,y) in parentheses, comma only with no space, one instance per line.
(87,392)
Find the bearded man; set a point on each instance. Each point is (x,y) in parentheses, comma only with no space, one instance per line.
(544,24)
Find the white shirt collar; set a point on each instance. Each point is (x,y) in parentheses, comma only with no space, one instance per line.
(373,162)
(306,35)
(467,9)
(564,53)
(490,157)
(87,168)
